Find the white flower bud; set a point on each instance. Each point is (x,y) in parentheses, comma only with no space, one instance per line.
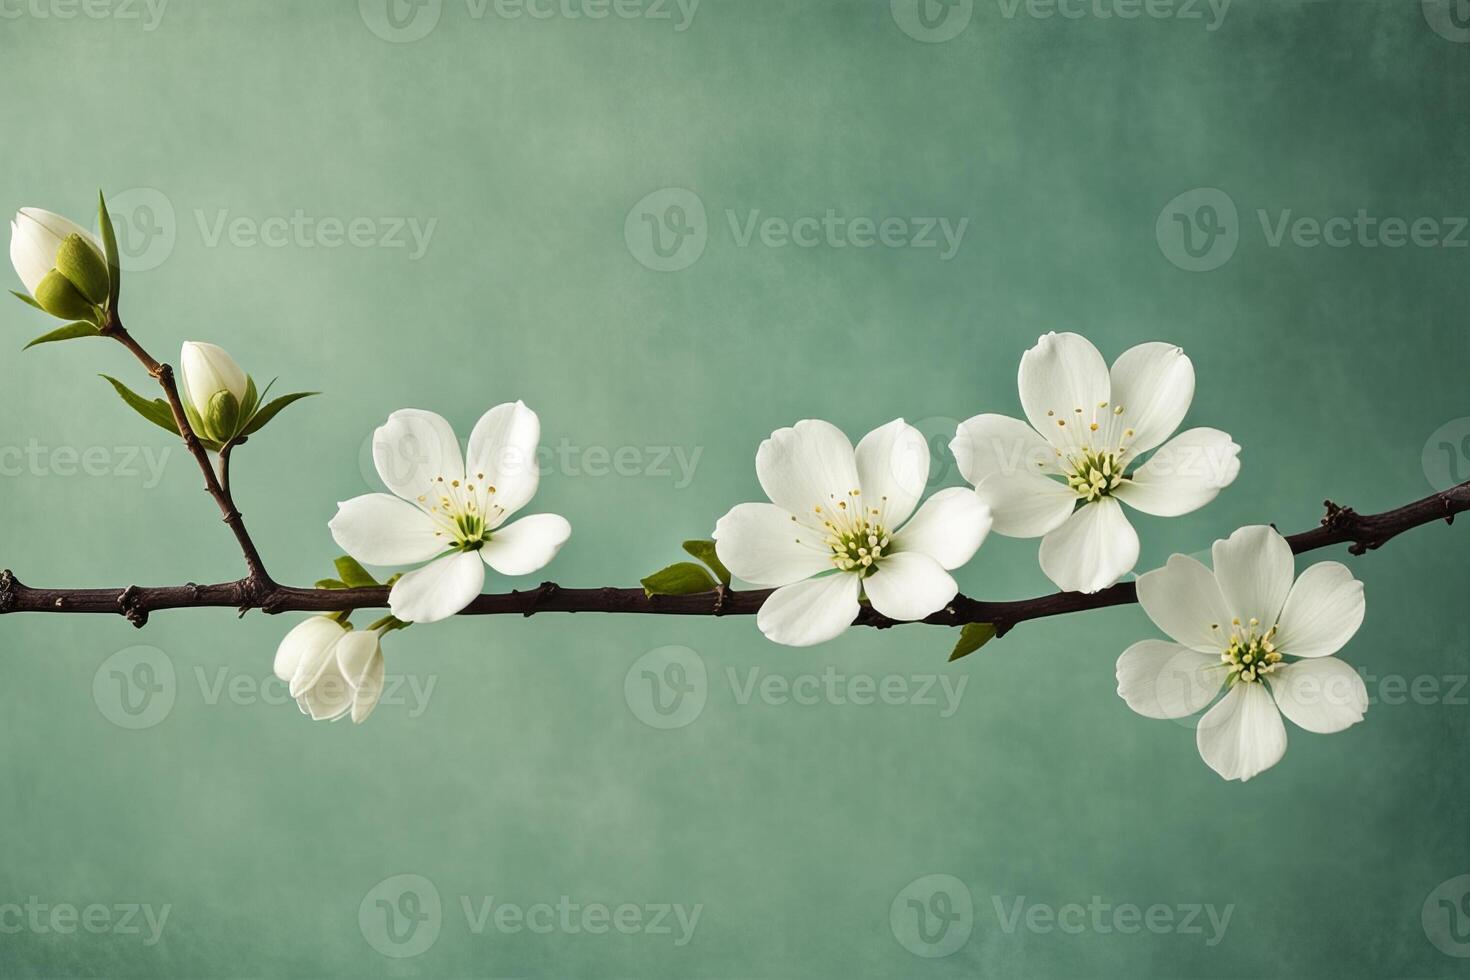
(209,374)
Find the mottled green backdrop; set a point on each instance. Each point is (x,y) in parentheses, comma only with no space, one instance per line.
(448,205)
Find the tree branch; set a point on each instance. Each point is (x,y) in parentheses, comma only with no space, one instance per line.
(1341,525)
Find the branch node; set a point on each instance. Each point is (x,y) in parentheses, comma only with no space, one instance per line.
(8,587)
(131,605)
(543,592)
(721,591)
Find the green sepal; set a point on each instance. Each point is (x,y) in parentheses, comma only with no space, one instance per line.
(58,296)
(27,300)
(973,636)
(388,624)
(330,583)
(81,328)
(109,243)
(222,416)
(684,578)
(271,409)
(356,577)
(251,400)
(78,261)
(705,552)
(155,410)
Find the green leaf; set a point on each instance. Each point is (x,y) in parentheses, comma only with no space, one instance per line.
(330,583)
(26,300)
(356,577)
(71,331)
(272,409)
(685,578)
(973,636)
(705,552)
(109,242)
(155,410)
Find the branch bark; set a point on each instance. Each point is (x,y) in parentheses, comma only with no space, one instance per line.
(1341,525)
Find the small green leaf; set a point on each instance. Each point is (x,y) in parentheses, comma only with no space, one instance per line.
(356,577)
(271,410)
(973,636)
(69,332)
(705,552)
(109,242)
(155,411)
(26,300)
(330,583)
(685,578)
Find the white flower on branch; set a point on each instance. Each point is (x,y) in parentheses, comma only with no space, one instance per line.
(332,671)
(846,513)
(1247,629)
(1061,477)
(451,510)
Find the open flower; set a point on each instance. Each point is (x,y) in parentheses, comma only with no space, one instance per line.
(1246,628)
(1061,477)
(451,512)
(847,513)
(332,670)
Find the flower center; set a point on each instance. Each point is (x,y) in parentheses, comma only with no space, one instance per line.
(855,536)
(1094,475)
(463,510)
(1251,654)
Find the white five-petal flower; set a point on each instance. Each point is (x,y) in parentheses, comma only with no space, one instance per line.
(850,514)
(451,510)
(1247,628)
(332,671)
(1062,476)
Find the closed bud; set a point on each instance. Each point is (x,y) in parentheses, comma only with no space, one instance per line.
(60,263)
(215,388)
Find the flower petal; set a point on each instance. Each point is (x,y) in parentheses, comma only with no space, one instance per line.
(355,653)
(810,612)
(1061,374)
(1025,505)
(1166,680)
(368,690)
(1242,736)
(1322,696)
(949,528)
(909,586)
(413,450)
(502,454)
(305,639)
(1092,550)
(379,529)
(764,545)
(989,444)
(1185,473)
(1183,599)
(1153,384)
(1254,568)
(330,697)
(527,545)
(1322,612)
(893,469)
(806,466)
(318,651)
(438,590)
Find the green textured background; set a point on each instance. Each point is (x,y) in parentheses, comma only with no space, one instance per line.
(526,775)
